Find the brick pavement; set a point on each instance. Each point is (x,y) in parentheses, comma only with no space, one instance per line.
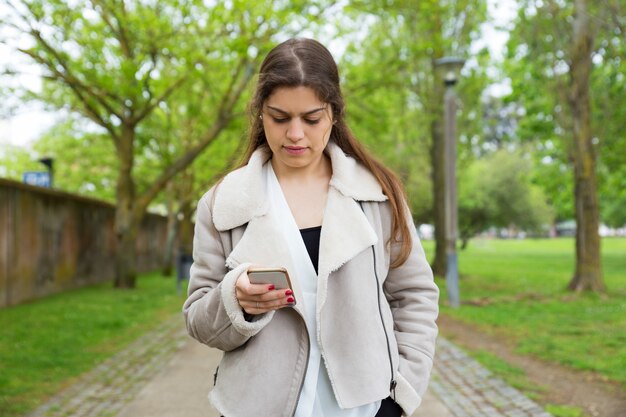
(463,387)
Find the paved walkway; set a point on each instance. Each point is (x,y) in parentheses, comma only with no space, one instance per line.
(166,374)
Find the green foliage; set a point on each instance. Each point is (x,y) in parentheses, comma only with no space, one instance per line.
(382,118)
(393,91)
(613,194)
(49,341)
(556,179)
(158,80)
(175,69)
(517,289)
(537,63)
(496,190)
(16,161)
(84,161)
(609,84)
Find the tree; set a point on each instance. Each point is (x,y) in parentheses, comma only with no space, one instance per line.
(561,47)
(181,194)
(588,274)
(414,35)
(115,63)
(382,116)
(497,190)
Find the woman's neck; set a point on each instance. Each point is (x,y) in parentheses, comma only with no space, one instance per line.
(320,170)
(305,191)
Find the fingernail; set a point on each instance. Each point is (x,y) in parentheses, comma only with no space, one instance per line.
(290,300)
(271,287)
(288,292)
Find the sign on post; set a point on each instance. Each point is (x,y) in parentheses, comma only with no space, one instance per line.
(38,178)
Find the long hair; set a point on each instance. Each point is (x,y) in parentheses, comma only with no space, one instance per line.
(306,62)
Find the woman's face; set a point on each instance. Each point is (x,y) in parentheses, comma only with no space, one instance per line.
(297,127)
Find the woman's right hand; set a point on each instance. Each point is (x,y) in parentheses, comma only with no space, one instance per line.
(260,298)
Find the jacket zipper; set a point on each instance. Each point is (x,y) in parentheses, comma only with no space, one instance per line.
(392,383)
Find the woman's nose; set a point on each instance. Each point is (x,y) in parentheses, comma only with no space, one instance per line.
(295,130)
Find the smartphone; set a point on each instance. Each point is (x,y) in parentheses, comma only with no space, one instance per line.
(277,276)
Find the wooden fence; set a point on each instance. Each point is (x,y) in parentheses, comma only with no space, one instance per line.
(51,241)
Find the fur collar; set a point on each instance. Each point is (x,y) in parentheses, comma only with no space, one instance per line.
(241,195)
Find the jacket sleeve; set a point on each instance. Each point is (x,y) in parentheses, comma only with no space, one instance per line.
(212,313)
(413,297)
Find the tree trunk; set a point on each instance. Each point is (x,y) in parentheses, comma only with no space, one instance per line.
(185,234)
(125,262)
(172,229)
(126,221)
(437,156)
(588,274)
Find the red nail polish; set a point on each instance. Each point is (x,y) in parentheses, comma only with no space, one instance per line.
(288,292)
(290,300)
(271,287)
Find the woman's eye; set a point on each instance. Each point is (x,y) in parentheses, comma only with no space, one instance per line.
(286,120)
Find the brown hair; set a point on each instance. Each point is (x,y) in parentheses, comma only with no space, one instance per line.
(306,62)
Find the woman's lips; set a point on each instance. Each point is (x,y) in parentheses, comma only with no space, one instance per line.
(294,150)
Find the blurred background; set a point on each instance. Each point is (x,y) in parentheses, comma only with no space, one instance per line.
(117,116)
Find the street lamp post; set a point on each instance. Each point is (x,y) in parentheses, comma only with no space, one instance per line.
(450,67)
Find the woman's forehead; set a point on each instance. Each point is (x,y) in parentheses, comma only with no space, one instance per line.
(296,100)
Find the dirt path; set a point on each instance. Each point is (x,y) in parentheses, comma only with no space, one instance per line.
(562,385)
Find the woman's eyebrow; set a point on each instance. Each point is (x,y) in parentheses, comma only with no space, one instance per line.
(307,113)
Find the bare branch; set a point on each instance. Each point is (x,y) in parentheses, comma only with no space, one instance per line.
(118,29)
(181,163)
(74,85)
(617,16)
(73,82)
(146,110)
(123,36)
(224,116)
(240,66)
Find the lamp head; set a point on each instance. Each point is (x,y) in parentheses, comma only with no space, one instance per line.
(451,67)
(48,162)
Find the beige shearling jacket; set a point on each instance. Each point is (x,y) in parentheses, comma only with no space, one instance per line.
(374,324)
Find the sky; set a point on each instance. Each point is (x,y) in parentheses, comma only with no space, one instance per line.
(23,128)
(30,122)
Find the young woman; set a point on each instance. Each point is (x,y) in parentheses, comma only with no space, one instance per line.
(355,335)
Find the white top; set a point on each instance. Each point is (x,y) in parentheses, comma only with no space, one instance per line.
(317,397)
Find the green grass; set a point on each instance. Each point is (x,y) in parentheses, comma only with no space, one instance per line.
(564,411)
(517,289)
(48,342)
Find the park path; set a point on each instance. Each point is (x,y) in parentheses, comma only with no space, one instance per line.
(167,374)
